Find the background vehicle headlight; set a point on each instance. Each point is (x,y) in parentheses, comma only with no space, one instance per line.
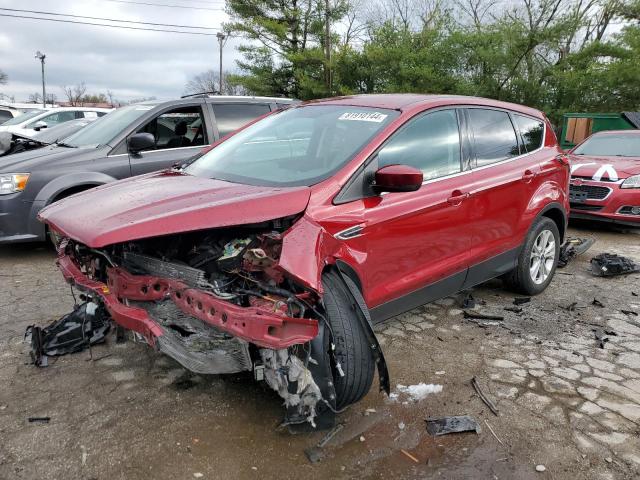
(631,182)
(13,182)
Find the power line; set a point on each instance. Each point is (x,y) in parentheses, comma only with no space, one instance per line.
(110,26)
(165,5)
(105,19)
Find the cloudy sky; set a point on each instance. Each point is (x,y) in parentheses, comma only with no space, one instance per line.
(132,64)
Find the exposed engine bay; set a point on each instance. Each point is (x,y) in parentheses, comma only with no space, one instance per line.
(217,302)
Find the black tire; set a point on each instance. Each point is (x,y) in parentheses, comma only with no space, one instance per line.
(352,348)
(519,279)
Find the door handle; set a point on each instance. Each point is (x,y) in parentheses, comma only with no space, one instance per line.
(528,176)
(457,197)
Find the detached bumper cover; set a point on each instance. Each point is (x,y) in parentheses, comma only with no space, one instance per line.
(255,325)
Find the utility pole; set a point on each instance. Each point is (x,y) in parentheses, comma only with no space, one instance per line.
(327,46)
(221,40)
(41,56)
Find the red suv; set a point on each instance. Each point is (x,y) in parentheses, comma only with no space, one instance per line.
(275,250)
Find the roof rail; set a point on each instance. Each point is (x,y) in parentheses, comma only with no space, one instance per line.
(200,94)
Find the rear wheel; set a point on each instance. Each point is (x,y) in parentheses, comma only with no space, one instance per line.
(352,349)
(538,259)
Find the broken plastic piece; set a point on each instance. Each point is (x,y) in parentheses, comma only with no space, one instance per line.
(610,264)
(572,248)
(521,300)
(87,325)
(437,426)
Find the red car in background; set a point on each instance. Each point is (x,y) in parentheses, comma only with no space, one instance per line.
(277,249)
(605,178)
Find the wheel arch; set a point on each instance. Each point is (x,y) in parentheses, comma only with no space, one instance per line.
(556,212)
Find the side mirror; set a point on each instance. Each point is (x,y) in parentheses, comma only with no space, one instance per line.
(140,141)
(39,125)
(397,178)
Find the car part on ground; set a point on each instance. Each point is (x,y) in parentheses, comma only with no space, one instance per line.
(87,325)
(611,264)
(571,248)
(437,426)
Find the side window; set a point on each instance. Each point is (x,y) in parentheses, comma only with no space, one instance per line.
(231,116)
(532,132)
(180,127)
(494,136)
(55,118)
(430,143)
(5,115)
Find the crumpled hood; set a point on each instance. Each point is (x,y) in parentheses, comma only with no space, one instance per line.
(165,203)
(604,168)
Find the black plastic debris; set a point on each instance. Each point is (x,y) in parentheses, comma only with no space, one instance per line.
(513,309)
(597,303)
(572,248)
(87,325)
(629,313)
(468,301)
(521,300)
(437,426)
(600,336)
(610,264)
(39,419)
(482,316)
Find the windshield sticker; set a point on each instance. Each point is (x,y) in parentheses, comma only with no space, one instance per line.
(363,117)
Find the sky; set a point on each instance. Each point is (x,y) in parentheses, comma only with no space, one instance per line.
(132,64)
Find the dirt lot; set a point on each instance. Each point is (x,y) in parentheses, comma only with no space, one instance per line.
(130,413)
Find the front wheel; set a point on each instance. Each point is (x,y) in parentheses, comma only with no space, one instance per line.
(353,378)
(538,259)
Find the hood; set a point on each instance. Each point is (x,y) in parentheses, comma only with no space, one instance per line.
(165,203)
(52,156)
(604,168)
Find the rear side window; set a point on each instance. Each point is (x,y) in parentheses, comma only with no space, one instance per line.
(493,134)
(231,116)
(430,143)
(5,115)
(532,132)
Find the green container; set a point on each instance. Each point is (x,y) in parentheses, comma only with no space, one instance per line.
(598,122)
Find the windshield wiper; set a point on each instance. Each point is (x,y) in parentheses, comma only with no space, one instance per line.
(62,144)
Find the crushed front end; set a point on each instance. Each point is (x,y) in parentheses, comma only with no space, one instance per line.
(218,302)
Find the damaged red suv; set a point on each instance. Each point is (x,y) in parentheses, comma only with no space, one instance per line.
(276,250)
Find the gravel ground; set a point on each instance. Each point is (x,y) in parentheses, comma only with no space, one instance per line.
(126,412)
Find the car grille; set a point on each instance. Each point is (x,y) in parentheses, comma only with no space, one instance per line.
(589,208)
(593,192)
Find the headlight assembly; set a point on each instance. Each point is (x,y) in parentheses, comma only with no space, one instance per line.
(631,182)
(13,182)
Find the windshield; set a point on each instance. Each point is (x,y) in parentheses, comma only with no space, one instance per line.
(299,146)
(50,135)
(105,129)
(611,145)
(22,118)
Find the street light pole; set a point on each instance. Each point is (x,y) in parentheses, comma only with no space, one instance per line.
(41,56)
(221,40)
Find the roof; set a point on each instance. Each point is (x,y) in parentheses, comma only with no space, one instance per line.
(406,101)
(219,99)
(617,132)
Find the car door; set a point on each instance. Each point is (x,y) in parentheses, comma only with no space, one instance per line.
(179,132)
(417,242)
(503,184)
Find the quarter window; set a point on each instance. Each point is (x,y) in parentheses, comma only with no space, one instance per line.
(430,143)
(493,134)
(532,132)
(232,116)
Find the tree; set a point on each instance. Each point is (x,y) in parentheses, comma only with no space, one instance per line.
(209,82)
(35,98)
(293,42)
(75,94)
(52,98)
(4,78)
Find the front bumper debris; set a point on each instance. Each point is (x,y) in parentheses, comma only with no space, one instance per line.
(260,326)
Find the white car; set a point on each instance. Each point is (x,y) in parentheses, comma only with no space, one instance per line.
(28,124)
